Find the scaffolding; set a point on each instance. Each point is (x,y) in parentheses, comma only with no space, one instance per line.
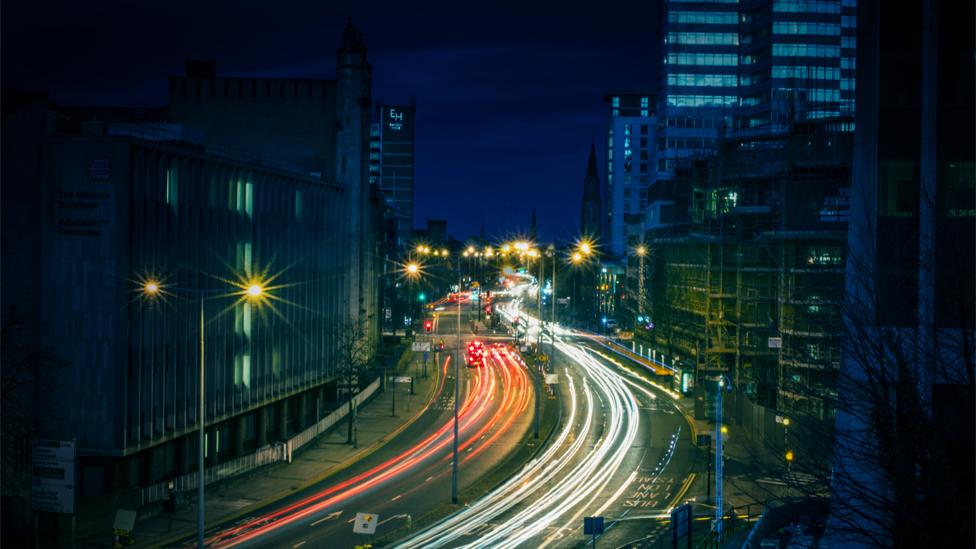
(751,289)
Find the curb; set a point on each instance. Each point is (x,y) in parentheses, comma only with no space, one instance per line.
(365,452)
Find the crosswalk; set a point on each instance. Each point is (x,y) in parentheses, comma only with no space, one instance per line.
(791,479)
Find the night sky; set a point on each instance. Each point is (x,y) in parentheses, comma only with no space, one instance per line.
(508,96)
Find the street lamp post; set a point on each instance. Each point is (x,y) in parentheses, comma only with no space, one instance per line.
(251,291)
(552,323)
(719,492)
(457,391)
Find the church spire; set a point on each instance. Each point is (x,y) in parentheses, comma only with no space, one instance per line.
(591,166)
(590,216)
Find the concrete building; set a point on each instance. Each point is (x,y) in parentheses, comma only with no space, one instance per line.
(319,127)
(631,146)
(252,180)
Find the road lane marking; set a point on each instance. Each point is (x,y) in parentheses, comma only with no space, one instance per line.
(397,497)
(330,516)
(299,544)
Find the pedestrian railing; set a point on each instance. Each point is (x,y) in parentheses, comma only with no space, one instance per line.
(274,453)
(266,455)
(326,423)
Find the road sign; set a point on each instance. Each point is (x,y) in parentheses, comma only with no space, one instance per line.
(421,346)
(400,379)
(681,523)
(53,475)
(592,526)
(774,343)
(552,379)
(543,358)
(365,523)
(125,520)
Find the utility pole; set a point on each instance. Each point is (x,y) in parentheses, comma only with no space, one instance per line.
(720,387)
(457,390)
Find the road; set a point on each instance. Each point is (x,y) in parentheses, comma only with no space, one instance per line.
(411,474)
(622,451)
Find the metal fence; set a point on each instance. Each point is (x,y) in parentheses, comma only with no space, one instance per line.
(274,453)
(266,455)
(328,421)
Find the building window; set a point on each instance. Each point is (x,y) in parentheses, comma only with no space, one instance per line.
(805,50)
(712,59)
(704,38)
(702,17)
(704,80)
(615,102)
(701,100)
(172,188)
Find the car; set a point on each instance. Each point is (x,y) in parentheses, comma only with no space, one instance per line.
(476,354)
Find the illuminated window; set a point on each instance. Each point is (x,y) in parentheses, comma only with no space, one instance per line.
(702,17)
(805,50)
(806,6)
(704,38)
(713,59)
(172,189)
(705,80)
(803,27)
(701,100)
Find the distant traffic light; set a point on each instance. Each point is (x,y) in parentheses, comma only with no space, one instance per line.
(429,325)
(421,297)
(488,309)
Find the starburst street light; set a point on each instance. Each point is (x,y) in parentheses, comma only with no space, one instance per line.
(412,269)
(641,250)
(254,290)
(585,247)
(576,258)
(151,288)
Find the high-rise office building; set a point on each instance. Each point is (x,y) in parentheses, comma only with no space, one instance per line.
(631,145)
(751,67)
(396,163)
(699,78)
(796,62)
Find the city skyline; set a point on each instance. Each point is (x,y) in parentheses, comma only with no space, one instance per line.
(516,113)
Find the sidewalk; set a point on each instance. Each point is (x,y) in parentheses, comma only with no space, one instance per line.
(749,466)
(326,456)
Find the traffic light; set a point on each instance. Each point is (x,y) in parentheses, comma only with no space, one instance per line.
(421,297)
(429,325)
(488,309)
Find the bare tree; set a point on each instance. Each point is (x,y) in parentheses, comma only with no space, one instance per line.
(353,367)
(897,464)
(22,363)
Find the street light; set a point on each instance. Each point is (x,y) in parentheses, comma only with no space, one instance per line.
(641,252)
(457,373)
(252,290)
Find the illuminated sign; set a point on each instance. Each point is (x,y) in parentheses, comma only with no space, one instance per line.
(395,119)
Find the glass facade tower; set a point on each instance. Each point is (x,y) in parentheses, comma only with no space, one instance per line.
(699,80)
(631,143)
